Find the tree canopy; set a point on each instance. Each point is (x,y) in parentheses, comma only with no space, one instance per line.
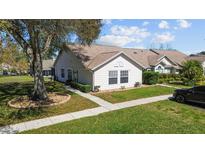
(13,56)
(192,70)
(38,37)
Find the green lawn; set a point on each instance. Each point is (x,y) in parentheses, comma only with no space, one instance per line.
(165,117)
(126,95)
(19,79)
(23,86)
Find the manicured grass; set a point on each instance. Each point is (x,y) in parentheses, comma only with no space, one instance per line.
(126,95)
(9,90)
(10,79)
(165,117)
(19,79)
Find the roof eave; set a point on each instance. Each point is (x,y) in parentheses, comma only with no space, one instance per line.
(143,67)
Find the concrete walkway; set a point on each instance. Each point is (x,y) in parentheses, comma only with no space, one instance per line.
(95,99)
(169,86)
(104,107)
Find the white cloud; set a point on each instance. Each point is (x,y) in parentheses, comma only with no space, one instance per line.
(117,40)
(183,23)
(164,38)
(107,21)
(145,23)
(124,35)
(163,25)
(130,31)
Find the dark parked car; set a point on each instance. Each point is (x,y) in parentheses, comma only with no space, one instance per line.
(195,94)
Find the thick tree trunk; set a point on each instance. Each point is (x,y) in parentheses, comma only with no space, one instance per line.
(39,92)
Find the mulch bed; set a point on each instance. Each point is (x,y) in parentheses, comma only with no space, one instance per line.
(24,102)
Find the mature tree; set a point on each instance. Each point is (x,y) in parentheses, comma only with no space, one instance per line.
(37,37)
(192,70)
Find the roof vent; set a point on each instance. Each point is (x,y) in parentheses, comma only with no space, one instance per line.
(135,52)
(141,50)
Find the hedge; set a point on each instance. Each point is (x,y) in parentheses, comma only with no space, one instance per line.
(150,77)
(82,87)
(168,78)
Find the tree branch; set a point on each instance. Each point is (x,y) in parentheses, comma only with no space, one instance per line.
(48,42)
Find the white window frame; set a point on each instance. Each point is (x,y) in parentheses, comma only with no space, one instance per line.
(124,75)
(115,76)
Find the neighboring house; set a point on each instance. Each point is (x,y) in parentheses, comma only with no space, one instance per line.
(200,58)
(108,67)
(5,69)
(162,61)
(48,67)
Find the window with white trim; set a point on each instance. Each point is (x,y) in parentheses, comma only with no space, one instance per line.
(112,77)
(62,73)
(124,76)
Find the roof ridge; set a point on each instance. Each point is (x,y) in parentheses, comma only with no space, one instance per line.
(108,52)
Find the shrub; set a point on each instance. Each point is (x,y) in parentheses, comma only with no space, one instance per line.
(68,82)
(82,87)
(189,82)
(192,71)
(150,77)
(169,77)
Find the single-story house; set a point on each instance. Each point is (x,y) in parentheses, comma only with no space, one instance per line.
(48,66)
(108,67)
(200,58)
(5,69)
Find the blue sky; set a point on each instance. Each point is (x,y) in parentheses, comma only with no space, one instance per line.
(187,36)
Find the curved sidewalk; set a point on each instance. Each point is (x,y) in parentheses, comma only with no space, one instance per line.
(104,107)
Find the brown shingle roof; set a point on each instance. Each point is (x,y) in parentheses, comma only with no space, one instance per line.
(175,56)
(200,58)
(140,55)
(94,55)
(99,59)
(48,64)
(154,59)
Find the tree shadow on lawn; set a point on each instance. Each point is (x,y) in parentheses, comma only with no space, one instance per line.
(9,91)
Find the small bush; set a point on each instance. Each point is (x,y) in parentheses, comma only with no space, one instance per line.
(161,81)
(188,82)
(192,70)
(150,77)
(169,77)
(68,82)
(82,87)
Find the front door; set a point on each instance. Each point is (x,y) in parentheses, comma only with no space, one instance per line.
(70,75)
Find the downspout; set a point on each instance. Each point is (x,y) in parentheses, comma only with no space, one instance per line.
(93,80)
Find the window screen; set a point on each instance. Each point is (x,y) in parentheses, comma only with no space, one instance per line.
(124,76)
(112,77)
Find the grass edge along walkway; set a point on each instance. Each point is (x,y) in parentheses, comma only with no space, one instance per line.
(75,115)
